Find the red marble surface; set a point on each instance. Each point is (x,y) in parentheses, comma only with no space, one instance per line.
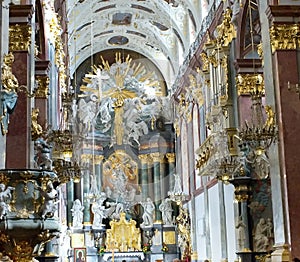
(18,137)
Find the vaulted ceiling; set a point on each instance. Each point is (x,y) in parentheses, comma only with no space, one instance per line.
(161,31)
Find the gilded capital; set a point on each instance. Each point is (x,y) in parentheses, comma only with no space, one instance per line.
(42,87)
(250,84)
(284,36)
(98,159)
(144,158)
(171,157)
(19,37)
(156,156)
(205,61)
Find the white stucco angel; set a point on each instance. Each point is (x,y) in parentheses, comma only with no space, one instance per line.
(148,212)
(99,211)
(166,210)
(77,213)
(5,197)
(50,196)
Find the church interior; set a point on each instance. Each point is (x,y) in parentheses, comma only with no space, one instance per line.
(149,130)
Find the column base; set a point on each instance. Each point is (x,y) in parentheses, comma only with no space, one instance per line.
(281,254)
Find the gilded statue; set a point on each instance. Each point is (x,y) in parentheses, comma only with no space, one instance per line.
(8,93)
(270,121)
(36,128)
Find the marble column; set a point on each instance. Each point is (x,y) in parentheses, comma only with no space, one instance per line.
(150,177)
(70,199)
(85,183)
(164,178)
(157,180)
(224,250)
(282,75)
(99,172)
(171,165)
(144,176)
(207,224)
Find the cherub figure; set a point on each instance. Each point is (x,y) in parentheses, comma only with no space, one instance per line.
(5,197)
(50,196)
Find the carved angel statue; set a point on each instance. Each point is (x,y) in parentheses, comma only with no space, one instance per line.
(99,211)
(77,213)
(50,196)
(5,197)
(166,209)
(87,112)
(177,190)
(148,212)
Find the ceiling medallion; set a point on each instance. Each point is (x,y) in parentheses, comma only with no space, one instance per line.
(118,40)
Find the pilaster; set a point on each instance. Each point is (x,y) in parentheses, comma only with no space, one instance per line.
(283,35)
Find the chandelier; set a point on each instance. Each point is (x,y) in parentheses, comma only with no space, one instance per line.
(260,133)
(64,142)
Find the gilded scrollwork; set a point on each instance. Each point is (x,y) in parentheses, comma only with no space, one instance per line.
(226,31)
(19,37)
(184,232)
(284,36)
(42,87)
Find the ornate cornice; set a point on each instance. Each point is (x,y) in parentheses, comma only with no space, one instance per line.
(19,37)
(250,84)
(284,36)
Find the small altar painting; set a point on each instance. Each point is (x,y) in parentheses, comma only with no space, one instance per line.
(79,255)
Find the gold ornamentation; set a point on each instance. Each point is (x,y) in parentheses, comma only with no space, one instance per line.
(36,128)
(42,88)
(156,157)
(242,193)
(144,158)
(122,162)
(226,30)
(250,84)
(171,157)
(205,61)
(9,81)
(284,36)
(8,94)
(19,37)
(22,252)
(123,236)
(169,237)
(56,30)
(184,231)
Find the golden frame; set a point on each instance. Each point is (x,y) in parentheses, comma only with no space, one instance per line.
(80,254)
